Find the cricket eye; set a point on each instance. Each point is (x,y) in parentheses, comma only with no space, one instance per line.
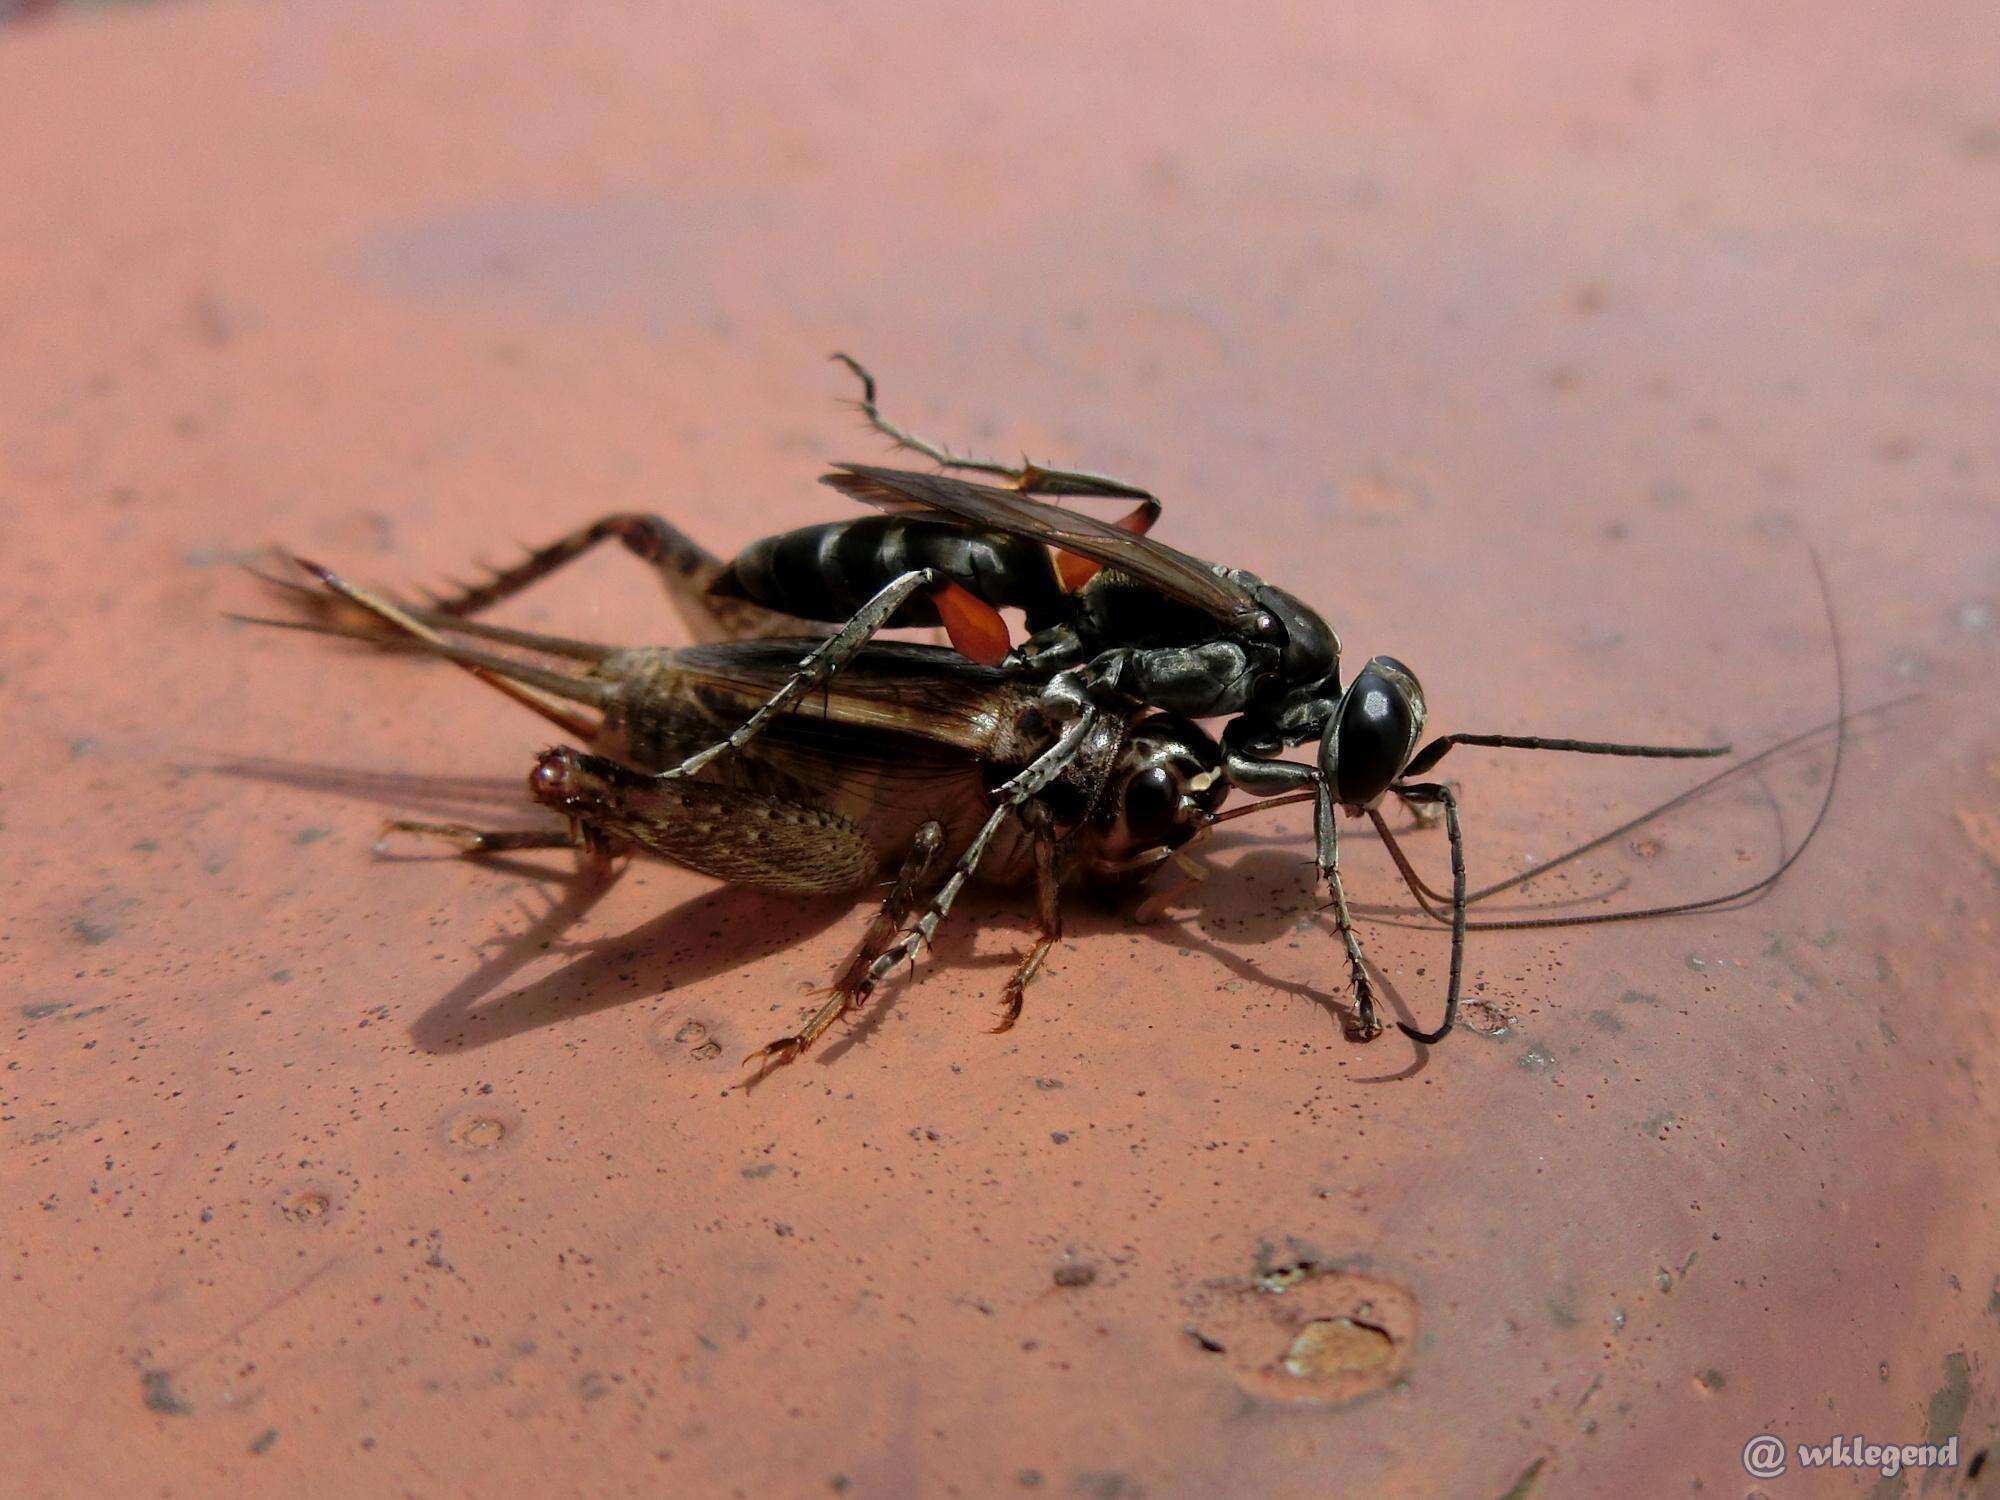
(1151,802)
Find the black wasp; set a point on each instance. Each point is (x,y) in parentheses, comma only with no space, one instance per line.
(1117,621)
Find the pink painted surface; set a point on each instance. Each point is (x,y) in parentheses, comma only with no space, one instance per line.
(1529,342)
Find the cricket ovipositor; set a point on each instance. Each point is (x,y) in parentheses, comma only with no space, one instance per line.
(1086,763)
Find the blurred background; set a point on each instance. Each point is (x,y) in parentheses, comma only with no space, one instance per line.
(1534,344)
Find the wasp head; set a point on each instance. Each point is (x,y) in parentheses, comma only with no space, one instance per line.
(1373,732)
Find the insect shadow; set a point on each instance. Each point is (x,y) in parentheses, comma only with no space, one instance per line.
(443,796)
(712,933)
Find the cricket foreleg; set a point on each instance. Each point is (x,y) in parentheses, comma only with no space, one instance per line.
(816,667)
(918,865)
(1048,915)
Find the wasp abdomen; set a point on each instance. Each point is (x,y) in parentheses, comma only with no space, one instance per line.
(827,572)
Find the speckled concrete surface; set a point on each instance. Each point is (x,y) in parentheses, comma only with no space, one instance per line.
(1531,344)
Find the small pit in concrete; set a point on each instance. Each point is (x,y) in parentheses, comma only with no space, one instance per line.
(479,1132)
(1306,1333)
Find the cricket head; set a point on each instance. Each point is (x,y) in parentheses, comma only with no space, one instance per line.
(1165,788)
(587,788)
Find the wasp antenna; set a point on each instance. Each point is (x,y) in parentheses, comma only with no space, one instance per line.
(1755,888)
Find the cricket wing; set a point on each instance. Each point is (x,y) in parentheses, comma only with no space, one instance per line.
(935,704)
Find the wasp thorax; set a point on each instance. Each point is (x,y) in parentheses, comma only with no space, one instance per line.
(1312,650)
(1374,732)
(1167,782)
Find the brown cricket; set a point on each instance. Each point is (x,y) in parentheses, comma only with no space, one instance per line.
(912,763)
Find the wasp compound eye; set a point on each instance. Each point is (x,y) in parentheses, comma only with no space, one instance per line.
(1380,717)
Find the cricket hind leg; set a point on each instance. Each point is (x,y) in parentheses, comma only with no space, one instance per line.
(1028,477)
(918,866)
(685,569)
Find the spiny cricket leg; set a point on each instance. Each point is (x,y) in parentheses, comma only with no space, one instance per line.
(918,865)
(817,666)
(473,842)
(1048,914)
(685,568)
(1030,478)
(1009,796)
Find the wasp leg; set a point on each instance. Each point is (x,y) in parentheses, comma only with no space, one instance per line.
(1029,478)
(816,667)
(918,865)
(1367,1025)
(473,842)
(1442,793)
(1424,814)
(1048,913)
(685,568)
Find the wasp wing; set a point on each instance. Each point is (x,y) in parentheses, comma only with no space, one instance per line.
(1173,573)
